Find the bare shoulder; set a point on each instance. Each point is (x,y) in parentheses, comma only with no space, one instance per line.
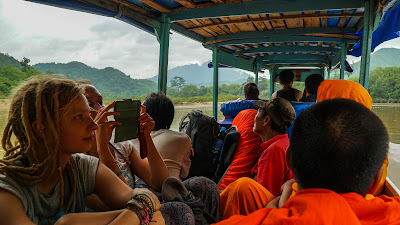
(12,210)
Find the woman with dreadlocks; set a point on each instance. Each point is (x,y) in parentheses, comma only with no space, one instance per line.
(41,178)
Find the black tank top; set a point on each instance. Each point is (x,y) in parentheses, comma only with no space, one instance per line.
(288,95)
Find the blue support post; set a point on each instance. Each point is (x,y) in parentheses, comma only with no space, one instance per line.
(256,76)
(366,42)
(215,81)
(163,38)
(343,51)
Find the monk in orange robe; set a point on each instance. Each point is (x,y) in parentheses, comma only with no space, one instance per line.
(248,150)
(337,150)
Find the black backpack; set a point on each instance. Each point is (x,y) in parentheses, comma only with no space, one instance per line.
(203,131)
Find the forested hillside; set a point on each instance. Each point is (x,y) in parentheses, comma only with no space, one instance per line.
(111,82)
(384,84)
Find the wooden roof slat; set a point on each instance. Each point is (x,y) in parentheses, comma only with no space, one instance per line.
(312,21)
(236,47)
(155,5)
(277,21)
(113,5)
(233,28)
(187,3)
(293,23)
(197,22)
(189,23)
(216,29)
(324,20)
(266,22)
(246,26)
(342,20)
(218,1)
(286,18)
(259,24)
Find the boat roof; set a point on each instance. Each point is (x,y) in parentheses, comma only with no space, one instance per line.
(263,33)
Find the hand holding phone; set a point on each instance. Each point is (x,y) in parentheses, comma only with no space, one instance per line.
(129,112)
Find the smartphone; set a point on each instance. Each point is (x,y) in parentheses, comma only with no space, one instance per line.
(129,112)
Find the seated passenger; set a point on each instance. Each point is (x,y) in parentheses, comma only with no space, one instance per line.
(231,108)
(42,180)
(174,147)
(286,78)
(330,89)
(151,170)
(248,150)
(335,169)
(311,87)
(270,123)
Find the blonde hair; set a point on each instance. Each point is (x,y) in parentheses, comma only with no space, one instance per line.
(30,157)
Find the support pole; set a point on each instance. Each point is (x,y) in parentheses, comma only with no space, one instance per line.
(343,51)
(256,76)
(163,38)
(215,81)
(329,71)
(271,81)
(366,42)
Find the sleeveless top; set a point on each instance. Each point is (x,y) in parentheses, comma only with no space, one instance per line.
(288,95)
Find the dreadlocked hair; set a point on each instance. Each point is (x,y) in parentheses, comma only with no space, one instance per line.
(31,155)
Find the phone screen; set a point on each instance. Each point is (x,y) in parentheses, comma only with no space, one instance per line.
(129,112)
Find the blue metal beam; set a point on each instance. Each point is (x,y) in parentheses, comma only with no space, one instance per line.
(281,32)
(288,48)
(297,62)
(230,60)
(366,42)
(264,7)
(187,33)
(343,53)
(281,39)
(298,57)
(163,37)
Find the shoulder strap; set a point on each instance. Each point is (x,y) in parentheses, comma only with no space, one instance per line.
(130,167)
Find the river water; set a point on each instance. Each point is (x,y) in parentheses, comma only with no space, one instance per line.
(389,113)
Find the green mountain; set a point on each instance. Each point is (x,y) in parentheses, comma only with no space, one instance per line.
(111,82)
(12,73)
(384,57)
(201,75)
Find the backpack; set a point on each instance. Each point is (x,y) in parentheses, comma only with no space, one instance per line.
(203,131)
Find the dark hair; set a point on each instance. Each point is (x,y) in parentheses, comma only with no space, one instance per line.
(338,144)
(312,83)
(286,76)
(251,90)
(161,109)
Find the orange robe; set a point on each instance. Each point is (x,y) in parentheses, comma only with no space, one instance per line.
(248,150)
(243,197)
(322,206)
(330,89)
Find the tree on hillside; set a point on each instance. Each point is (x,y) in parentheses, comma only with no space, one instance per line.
(189,90)
(178,83)
(25,64)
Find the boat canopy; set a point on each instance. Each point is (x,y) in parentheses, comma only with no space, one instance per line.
(260,34)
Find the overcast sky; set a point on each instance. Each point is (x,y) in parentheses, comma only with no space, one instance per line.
(49,34)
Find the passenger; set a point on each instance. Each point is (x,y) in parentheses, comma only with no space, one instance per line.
(174,147)
(311,87)
(248,150)
(335,169)
(271,172)
(152,171)
(251,91)
(41,178)
(330,89)
(286,78)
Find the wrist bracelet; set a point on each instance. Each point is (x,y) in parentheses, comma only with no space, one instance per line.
(121,172)
(143,208)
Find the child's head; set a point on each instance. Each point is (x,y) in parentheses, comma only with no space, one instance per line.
(161,109)
(312,83)
(35,131)
(337,144)
(251,90)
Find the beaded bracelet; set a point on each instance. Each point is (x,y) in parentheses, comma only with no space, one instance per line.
(143,208)
(111,163)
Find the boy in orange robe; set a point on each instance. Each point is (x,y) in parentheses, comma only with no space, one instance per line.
(337,150)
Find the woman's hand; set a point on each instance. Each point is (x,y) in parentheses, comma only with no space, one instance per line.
(146,122)
(104,132)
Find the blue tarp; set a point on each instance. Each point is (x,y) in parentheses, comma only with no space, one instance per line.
(387,30)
